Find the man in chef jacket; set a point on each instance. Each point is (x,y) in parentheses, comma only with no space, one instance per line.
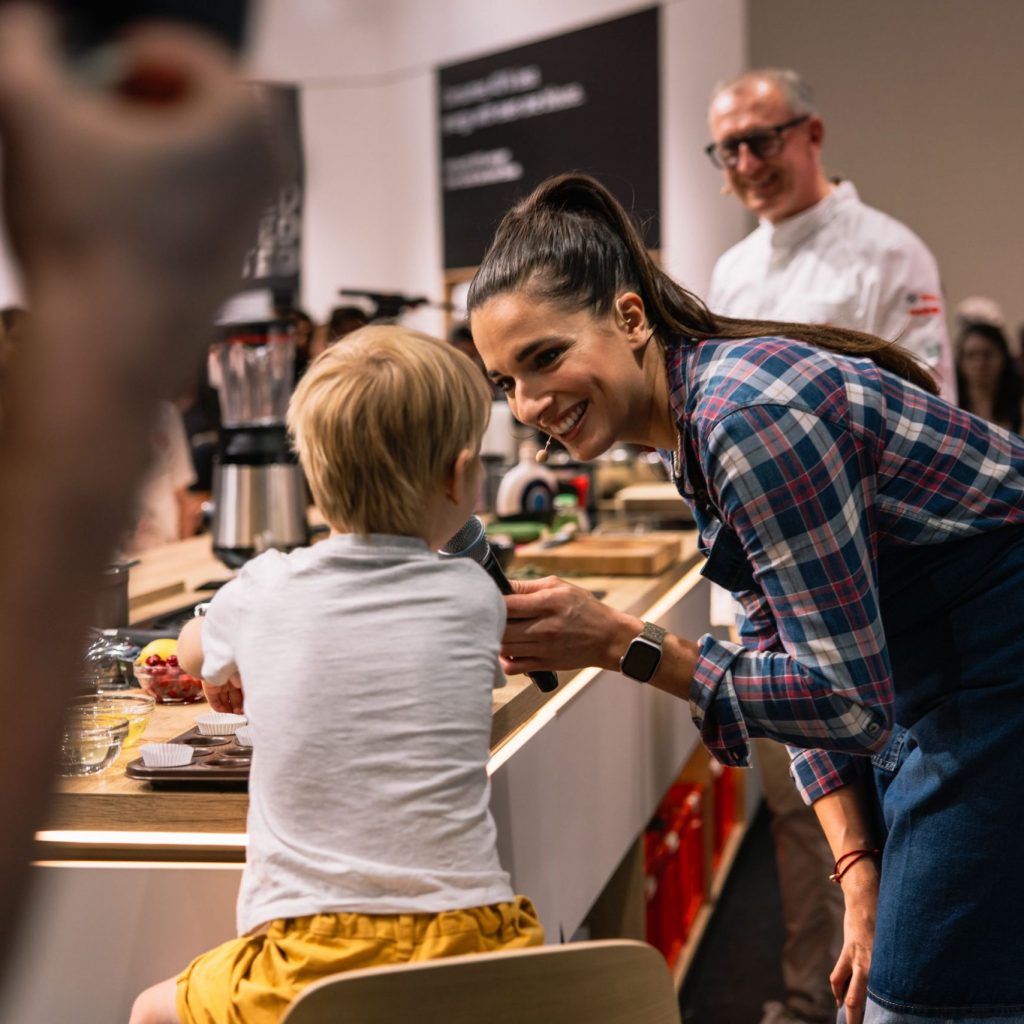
(818,255)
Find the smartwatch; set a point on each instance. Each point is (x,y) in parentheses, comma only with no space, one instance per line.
(643,656)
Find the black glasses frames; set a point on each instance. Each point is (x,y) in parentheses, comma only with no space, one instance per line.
(763,143)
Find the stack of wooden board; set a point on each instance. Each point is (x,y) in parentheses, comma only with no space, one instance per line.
(603,555)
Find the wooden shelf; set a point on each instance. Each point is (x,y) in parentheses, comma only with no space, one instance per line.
(619,910)
(693,940)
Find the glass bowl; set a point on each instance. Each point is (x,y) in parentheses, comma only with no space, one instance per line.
(89,717)
(168,684)
(137,707)
(90,743)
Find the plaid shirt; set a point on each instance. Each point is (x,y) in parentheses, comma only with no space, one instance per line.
(818,462)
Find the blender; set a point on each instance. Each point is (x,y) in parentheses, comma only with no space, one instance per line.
(259,492)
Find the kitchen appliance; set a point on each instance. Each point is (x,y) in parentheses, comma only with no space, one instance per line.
(111,607)
(259,492)
(528,489)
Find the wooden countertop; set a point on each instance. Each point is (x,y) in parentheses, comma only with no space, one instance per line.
(214,821)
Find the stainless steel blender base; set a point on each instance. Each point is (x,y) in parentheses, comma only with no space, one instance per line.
(256,508)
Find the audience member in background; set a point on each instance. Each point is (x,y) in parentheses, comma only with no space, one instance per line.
(304,329)
(978,309)
(165,509)
(356,859)
(342,320)
(161,200)
(819,254)
(988,381)
(303,332)
(461,337)
(200,409)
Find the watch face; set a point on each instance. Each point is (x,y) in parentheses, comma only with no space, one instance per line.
(641,660)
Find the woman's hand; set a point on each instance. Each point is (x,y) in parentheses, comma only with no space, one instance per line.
(227,698)
(849,978)
(554,625)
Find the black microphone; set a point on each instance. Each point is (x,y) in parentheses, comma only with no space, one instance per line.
(471,542)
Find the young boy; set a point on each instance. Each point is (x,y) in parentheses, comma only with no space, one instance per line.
(365,665)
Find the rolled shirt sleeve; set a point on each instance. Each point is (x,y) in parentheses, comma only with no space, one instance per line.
(797,488)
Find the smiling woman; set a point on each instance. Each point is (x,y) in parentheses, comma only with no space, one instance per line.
(857,517)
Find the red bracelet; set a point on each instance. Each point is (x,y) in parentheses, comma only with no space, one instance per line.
(851,857)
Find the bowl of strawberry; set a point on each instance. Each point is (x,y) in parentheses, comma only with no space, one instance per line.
(164,680)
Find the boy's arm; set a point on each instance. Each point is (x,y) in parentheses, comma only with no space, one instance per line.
(226,697)
(190,647)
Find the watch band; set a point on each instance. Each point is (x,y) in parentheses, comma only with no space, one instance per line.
(643,656)
(653,633)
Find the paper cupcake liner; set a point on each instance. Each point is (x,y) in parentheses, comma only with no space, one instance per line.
(243,736)
(219,723)
(165,755)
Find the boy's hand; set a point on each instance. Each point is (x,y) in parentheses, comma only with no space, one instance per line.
(227,698)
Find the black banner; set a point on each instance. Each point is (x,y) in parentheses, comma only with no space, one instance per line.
(584,101)
(275,260)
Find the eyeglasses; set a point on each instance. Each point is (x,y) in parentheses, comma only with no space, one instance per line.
(763,144)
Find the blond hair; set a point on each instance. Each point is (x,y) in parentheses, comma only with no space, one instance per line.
(378,421)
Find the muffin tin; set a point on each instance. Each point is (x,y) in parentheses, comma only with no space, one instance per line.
(216,761)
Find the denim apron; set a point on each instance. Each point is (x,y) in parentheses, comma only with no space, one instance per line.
(949,935)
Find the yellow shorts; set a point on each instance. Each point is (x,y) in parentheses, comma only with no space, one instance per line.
(252,980)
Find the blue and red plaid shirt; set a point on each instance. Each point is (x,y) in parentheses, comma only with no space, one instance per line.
(818,462)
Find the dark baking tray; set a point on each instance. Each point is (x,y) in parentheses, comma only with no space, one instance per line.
(217,761)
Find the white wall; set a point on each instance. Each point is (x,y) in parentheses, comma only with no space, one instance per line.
(366,71)
(922,102)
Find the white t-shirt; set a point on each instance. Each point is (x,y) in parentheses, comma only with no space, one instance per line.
(367,666)
(844,263)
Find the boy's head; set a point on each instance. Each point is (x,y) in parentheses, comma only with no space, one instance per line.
(379,424)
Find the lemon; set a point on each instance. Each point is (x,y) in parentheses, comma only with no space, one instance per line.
(163,648)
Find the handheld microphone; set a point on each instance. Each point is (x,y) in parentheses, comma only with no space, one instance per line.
(471,542)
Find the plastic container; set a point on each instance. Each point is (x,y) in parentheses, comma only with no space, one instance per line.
(724,810)
(569,513)
(674,869)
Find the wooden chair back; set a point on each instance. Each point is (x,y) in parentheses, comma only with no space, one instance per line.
(605,982)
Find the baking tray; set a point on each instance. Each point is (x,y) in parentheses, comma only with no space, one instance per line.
(216,761)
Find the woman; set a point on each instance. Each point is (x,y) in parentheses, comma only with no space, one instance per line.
(987,380)
(875,536)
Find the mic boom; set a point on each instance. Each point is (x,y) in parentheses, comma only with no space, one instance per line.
(471,542)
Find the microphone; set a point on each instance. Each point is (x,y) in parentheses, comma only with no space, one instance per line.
(542,455)
(471,542)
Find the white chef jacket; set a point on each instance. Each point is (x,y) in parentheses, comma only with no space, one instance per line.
(844,263)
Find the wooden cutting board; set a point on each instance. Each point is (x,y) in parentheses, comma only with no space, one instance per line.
(603,555)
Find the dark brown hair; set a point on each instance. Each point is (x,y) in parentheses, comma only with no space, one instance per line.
(573,244)
(1006,402)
